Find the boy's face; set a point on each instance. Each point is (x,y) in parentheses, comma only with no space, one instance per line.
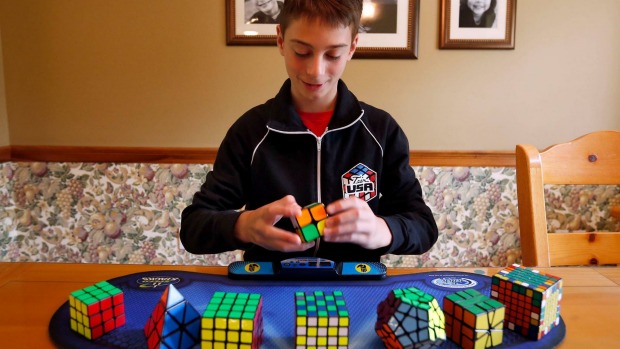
(315,56)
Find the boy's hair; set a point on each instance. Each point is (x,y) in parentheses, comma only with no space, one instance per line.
(334,13)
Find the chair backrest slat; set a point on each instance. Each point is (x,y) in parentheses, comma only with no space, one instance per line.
(591,159)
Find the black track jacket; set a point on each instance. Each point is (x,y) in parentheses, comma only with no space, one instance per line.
(268,153)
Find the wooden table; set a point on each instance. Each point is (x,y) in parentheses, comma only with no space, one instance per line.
(30,293)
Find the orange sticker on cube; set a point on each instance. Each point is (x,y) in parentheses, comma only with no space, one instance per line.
(310,223)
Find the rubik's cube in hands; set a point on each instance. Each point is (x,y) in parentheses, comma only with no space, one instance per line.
(310,224)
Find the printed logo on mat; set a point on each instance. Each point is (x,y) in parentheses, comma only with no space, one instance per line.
(360,182)
(156,281)
(454,282)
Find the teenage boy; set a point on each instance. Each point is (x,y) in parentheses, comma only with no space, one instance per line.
(313,142)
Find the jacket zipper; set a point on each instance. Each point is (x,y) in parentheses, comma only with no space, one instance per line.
(318,166)
(317,242)
(318,162)
(318,147)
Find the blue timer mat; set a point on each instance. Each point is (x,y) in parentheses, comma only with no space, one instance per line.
(143,290)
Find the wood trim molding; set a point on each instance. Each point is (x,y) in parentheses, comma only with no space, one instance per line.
(113,154)
(462,158)
(207,155)
(5,153)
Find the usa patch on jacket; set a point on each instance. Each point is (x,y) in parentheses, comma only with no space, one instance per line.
(361,182)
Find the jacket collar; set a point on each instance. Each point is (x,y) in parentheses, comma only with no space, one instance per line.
(285,117)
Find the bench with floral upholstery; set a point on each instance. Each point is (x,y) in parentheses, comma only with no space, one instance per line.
(83,212)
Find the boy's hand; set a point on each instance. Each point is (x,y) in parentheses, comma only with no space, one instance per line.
(257,226)
(351,220)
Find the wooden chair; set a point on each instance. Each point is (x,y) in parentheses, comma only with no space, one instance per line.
(615,211)
(591,159)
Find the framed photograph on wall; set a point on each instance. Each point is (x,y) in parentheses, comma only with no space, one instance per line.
(388,29)
(477,24)
(248,22)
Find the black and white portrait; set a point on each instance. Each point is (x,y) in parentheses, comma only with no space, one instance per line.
(478,14)
(475,24)
(262,11)
(379,16)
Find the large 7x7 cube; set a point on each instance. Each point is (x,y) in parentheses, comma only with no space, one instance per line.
(532,299)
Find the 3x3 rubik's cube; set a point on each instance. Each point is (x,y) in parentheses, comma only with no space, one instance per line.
(96,310)
(310,224)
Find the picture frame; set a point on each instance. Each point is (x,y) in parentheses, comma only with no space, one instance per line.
(391,34)
(477,26)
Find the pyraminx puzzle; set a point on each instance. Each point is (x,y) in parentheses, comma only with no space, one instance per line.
(532,299)
(96,310)
(174,323)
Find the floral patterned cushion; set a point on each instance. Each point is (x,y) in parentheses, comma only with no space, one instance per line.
(130,213)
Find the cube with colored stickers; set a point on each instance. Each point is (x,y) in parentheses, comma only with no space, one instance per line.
(321,320)
(96,309)
(410,318)
(310,223)
(233,320)
(532,299)
(174,323)
(473,320)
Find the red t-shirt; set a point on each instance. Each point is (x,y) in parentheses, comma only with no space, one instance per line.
(316,122)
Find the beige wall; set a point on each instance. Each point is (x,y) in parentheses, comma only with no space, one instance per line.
(4,121)
(158,73)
